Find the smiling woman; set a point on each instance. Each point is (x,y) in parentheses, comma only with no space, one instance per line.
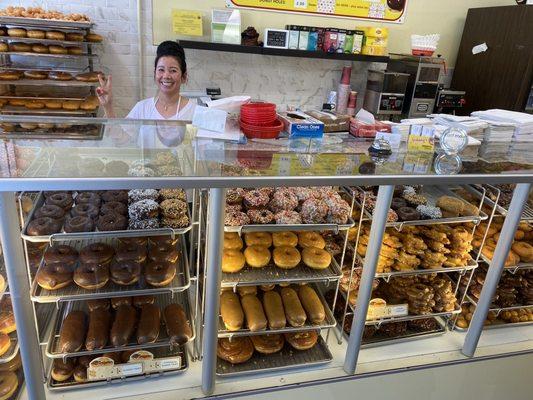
(170,71)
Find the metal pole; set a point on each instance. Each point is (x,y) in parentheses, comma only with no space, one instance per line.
(213,271)
(19,289)
(377,229)
(503,246)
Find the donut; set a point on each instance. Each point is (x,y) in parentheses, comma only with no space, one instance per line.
(268,344)
(176,193)
(71,105)
(97,253)
(39,48)
(284,239)
(79,224)
(43,226)
(173,208)
(33,105)
(55,35)
(88,197)
(175,223)
(126,272)
(61,254)
(286,257)
(59,76)
(75,50)
(407,214)
(54,276)
(260,216)
(13,365)
(85,210)
(61,199)
(142,194)
(258,238)
(151,223)
(302,340)
(5,344)
(35,34)
(7,321)
(88,77)
(139,301)
(236,218)
(62,370)
(138,241)
(115,207)
(91,276)
(93,37)
(74,37)
(257,256)
(314,211)
(144,209)
(255,199)
(112,222)
(286,217)
(163,240)
(115,167)
(397,203)
(311,239)
(131,252)
(283,199)
(35,74)
(524,251)
(166,254)
(316,258)
(232,260)
(50,211)
(17,32)
(232,241)
(235,351)
(80,373)
(53,105)
(159,273)
(9,75)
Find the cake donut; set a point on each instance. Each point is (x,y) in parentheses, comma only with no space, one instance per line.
(79,224)
(255,199)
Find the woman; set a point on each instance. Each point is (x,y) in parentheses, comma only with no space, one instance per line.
(169,74)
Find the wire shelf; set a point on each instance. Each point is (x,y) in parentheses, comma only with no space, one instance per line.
(47,82)
(45,23)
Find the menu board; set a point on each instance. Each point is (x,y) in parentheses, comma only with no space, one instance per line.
(377,10)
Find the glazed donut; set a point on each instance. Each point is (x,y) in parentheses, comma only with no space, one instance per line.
(258,239)
(114,207)
(35,74)
(17,32)
(5,344)
(91,276)
(257,256)
(80,373)
(8,384)
(232,261)
(88,197)
(50,211)
(286,257)
(7,322)
(97,253)
(284,239)
(74,50)
(93,37)
(512,259)
(268,344)
(236,351)
(9,75)
(59,76)
(112,222)
(55,35)
(74,37)
(61,254)
(54,276)
(131,252)
(85,210)
(20,47)
(61,371)
(33,105)
(3,47)
(71,105)
(88,77)
(53,105)
(524,251)
(316,258)
(159,273)
(35,34)
(126,272)
(165,254)
(39,48)
(232,241)
(311,239)
(61,199)
(79,224)
(302,340)
(12,365)
(43,226)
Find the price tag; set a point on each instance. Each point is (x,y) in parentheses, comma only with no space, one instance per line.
(171,363)
(130,369)
(300,3)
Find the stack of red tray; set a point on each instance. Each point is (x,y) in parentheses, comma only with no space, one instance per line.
(364,130)
(260,121)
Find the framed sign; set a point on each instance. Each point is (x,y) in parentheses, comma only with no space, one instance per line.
(376,10)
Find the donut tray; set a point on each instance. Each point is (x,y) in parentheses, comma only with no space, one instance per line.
(48,82)
(48,55)
(497,326)
(495,308)
(329,322)
(45,23)
(272,274)
(289,227)
(45,41)
(511,268)
(73,292)
(71,384)
(13,349)
(432,193)
(287,358)
(162,341)
(7,110)
(64,236)
(46,134)
(527,213)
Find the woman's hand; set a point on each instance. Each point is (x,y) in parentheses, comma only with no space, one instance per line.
(105,95)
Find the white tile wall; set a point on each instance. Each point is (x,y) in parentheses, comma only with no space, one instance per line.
(282,80)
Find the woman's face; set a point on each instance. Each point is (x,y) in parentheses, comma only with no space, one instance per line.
(168,75)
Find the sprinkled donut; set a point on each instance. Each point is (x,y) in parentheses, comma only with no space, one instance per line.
(236,218)
(302,193)
(260,216)
(314,211)
(255,199)
(288,217)
(429,212)
(151,223)
(141,171)
(144,209)
(142,194)
(283,199)
(235,195)
(173,208)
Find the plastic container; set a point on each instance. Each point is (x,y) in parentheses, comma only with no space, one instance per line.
(263,131)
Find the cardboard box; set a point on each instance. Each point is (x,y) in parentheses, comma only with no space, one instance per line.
(299,124)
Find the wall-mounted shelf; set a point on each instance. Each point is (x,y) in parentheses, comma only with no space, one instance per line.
(237,48)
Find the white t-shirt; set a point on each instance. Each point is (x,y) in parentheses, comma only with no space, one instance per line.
(152,136)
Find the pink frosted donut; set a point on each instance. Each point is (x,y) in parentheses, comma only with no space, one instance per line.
(260,216)
(283,199)
(255,199)
(314,211)
(288,217)
(267,190)
(233,208)
(236,218)
(302,193)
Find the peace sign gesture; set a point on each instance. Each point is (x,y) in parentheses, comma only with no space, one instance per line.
(105,94)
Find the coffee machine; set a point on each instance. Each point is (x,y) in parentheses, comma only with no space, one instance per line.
(385,92)
(423,82)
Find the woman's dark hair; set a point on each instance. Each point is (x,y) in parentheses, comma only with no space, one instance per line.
(169,48)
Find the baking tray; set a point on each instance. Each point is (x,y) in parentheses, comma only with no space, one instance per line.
(45,23)
(497,326)
(13,349)
(527,213)
(290,227)
(45,41)
(496,309)
(41,98)
(45,134)
(73,292)
(63,236)
(47,82)
(285,359)
(272,274)
(71,384)
(45,111)
(512,268)
(329,322)
(432,193)
(162,341)
(48,55)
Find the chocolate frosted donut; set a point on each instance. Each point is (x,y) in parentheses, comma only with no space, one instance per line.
(260,216)
(54,276)
(112,222)
(91,276)
(167,254)
(61,254)
(131,252)
(79,224)
(408,214)
(159,273)
(397,203)
(88,197)
(152,223)
(173,208)
(96,253)
(49,193)
(50,211)
(85,210)
(115,195)
(144,209)
(163,241)
(43,226)
(114,207)
(63,200)
(126,272)
(135,195)
(137,241)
